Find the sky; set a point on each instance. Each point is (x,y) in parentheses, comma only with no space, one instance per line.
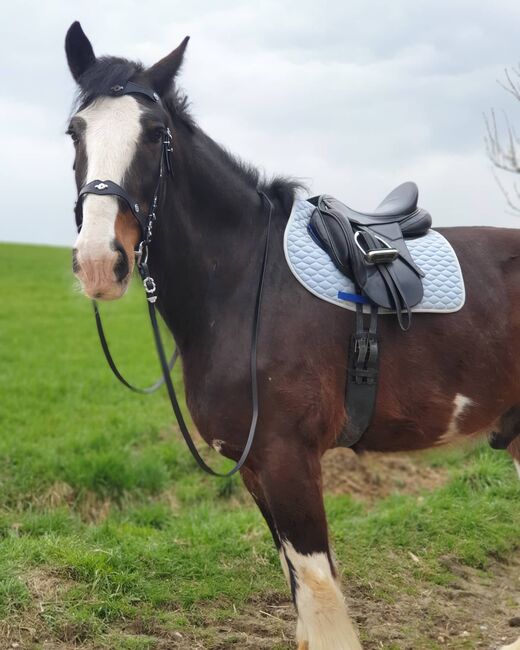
(352,97)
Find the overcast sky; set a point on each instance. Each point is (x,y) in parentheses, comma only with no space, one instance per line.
(352,96)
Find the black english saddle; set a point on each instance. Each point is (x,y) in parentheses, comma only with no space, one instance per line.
(370,248)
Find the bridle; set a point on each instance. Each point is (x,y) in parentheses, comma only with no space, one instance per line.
(146,223)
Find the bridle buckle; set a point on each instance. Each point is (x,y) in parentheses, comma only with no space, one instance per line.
(142,250)
(150,288)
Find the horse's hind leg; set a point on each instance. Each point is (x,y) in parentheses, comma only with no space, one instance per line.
(509,429)
(514,450)
(508,437)
(291,486)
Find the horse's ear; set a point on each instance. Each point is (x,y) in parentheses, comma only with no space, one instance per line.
(163,72)
(80,55)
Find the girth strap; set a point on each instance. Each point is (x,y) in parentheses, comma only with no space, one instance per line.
(362,374)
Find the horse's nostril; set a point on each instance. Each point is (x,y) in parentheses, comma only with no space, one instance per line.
(121,268)
(75,263)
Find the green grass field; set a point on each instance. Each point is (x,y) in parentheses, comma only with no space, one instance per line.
(111,538)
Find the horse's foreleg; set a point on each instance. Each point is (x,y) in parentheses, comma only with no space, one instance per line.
(256,491)
(291,487)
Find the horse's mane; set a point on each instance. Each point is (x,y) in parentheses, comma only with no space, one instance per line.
(109,71)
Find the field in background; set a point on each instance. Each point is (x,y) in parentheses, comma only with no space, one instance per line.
(110,538)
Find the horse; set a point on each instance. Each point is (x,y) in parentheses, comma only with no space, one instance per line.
(448,376)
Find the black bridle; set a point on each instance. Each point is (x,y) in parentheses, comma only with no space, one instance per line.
(146,224)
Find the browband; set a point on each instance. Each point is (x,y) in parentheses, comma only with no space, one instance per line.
(131,88)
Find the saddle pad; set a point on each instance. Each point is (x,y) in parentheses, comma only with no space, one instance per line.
(443,283)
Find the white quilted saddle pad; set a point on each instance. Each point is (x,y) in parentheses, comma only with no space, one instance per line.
(443,283)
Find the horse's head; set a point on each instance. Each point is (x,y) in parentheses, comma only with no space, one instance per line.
(117,139)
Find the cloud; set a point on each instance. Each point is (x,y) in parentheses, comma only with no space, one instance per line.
(352,97)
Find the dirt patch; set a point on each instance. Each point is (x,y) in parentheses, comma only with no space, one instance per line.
(374,476)
(473,612)
(27,629)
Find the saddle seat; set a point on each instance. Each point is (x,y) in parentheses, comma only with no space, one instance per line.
(400,206)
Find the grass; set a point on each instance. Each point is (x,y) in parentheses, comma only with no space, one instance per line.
(109,535)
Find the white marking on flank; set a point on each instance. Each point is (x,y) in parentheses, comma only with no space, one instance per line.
(512,646)
(323,620)
(460,404)
(112,131)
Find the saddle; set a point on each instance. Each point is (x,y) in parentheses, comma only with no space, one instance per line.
(370,249)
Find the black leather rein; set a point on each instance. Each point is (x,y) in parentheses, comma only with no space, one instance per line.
(146,224)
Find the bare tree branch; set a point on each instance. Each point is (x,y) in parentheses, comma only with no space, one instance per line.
(503,143)
(514,206)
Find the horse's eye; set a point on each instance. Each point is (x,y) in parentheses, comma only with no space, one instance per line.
(156,134)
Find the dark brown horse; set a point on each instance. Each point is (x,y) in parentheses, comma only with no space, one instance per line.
(452,375)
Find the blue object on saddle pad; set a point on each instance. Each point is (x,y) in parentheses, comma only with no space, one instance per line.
(443,283)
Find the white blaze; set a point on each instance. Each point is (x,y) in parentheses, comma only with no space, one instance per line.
(112,131)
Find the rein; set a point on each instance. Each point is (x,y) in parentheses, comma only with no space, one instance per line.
(146,224)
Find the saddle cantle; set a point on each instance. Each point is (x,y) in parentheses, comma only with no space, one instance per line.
(370,249)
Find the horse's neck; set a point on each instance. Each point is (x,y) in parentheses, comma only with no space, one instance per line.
(210,242)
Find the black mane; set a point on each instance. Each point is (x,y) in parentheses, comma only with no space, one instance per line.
(109,71)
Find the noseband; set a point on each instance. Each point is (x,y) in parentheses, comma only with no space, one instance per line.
(146,223)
